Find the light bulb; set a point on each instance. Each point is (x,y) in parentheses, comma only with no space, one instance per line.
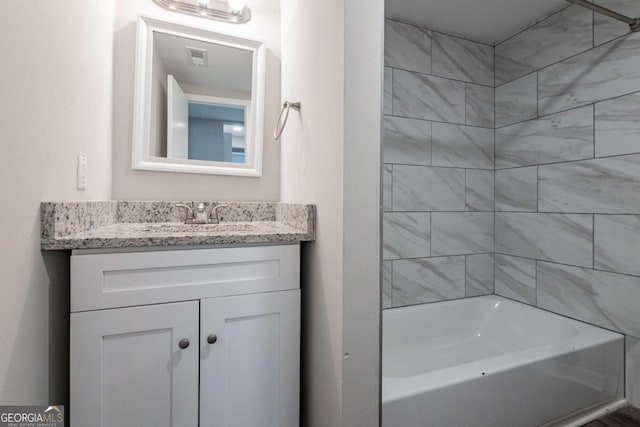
(237,5)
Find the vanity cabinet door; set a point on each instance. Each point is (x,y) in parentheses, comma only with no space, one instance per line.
(249,366)
(131,367)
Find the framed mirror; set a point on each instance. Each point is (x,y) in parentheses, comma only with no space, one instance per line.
(199,101)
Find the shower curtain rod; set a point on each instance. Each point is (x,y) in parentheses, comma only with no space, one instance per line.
(634,23)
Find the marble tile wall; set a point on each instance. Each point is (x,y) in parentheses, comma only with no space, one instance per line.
(517,190)
(459,233)
(480,190)
(479,275)
(463,60)
(567,180)
(595,75)
(617,128)
(515,278)
(423,280)
(517,100)
(550,139)
(438,174)
(560,36)
(562,238)
(480,105)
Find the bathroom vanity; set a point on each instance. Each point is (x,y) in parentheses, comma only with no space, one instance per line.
(182,325)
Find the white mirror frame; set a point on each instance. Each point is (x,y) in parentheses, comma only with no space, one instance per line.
(141,159)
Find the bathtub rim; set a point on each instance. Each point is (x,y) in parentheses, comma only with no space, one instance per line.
(398,388)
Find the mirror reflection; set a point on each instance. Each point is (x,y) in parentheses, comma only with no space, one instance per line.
(200,100)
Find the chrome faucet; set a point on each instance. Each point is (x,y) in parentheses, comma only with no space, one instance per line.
(189,219)
(214,218)
(199,215)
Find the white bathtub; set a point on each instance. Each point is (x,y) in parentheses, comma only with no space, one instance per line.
(490,362)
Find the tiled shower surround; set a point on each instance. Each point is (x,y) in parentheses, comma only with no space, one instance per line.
(566,160)
(438,240)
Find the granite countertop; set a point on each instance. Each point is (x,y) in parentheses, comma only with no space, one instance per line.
(130,224)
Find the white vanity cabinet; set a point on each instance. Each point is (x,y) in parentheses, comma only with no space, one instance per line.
(250,375)
(185,338)
(127,368)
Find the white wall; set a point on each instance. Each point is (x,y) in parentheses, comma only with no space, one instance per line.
(146,185)
(361,382)
(55,104)
(312,171)
(331,157)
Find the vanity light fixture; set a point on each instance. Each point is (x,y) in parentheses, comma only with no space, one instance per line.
(232,11)
(237,5)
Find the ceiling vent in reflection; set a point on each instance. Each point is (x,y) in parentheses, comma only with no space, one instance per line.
(197,57)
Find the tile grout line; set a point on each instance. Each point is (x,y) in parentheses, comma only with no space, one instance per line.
(593,29)
(537,95)
(537,189)
(530,26)
(392,178)
(553,213)
(594,131)
(624,367)
(495,163)
(586,159)
(438,121)
(535,296)
(458,255)
(466,204)
(583,321)
(542,116)
(430,234)
(406,70)
(466,280)
(393,83)
(561,264)
(431,144)
(567,58)
(470,168)
(593,241)
(391,296)
(400,20)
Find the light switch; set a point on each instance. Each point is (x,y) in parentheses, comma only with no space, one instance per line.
(82,173)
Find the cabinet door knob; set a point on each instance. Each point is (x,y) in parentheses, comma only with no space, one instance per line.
(184,343)
(211,339)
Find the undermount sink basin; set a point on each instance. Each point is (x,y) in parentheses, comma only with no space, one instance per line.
(191,228)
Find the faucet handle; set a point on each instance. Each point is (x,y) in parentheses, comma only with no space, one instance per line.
(215,215)
(190,215)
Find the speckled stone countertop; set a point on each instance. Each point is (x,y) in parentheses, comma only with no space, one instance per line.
(130,224)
